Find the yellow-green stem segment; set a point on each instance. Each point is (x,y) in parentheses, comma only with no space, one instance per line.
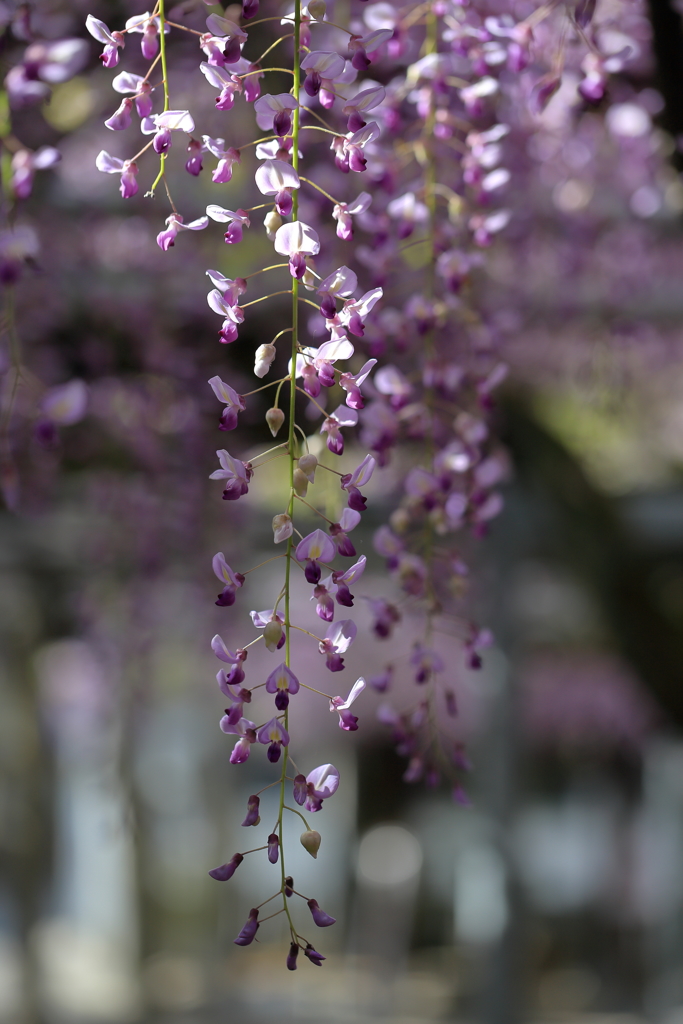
(164,72)
(291,439)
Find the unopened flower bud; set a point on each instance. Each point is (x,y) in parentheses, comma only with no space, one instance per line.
(275,418)
(291,958)
(300,482)
(311,842)
(272,634)
(289,886)
(317,9)
(308,465)
(265,354)
(273,848)
(272,221)
(283,527)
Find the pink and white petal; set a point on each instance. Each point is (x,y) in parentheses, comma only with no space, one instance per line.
(345,417)
(175,121)
(296,237)
(126,81)
(99,31)
(108,164)
(360,204)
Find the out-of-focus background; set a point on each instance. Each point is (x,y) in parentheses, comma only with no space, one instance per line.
(557,895)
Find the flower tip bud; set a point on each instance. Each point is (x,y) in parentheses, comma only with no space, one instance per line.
(282,527)
(317,9)
(311,842)
(275,418)
(300,482)
(272,634)
(272,221)
(308,465)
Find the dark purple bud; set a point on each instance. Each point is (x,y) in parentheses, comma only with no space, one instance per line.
(543,92)
(289,886)
(273,753)
(234,714)
(252,817)
(291,956)
(584,11)
(282,123)
(235,677)
(328,306)
(227,597)
(249,9)
(335,662)
(273,848)
(297,265)
(357,161)
(194,164)
(283,203)
(312,572)
(360,59)
(232,51)
(451,705)
(322,919)
(162,141)
(246,936)
(313,956)
(344,596)
(345,545)
(355,122)
(300,788)
(357,501)
(226,871)
(312,83)
(282,700)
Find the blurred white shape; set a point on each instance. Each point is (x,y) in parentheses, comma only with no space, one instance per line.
(85,974)
(389,855)
(628,120)
(10,978)
(565,855)
(572,195)
(481,907)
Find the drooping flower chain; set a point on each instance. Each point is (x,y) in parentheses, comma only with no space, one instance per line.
(441,403)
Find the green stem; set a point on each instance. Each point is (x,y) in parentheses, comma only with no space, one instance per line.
(164,72)
(291,438)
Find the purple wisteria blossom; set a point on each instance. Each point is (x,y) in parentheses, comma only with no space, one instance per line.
(315,548)
(338,638)
(235,473)
(274,734)
(282,682)
(234,403)
(347,721)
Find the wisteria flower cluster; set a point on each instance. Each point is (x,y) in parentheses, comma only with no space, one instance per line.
(428,133)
